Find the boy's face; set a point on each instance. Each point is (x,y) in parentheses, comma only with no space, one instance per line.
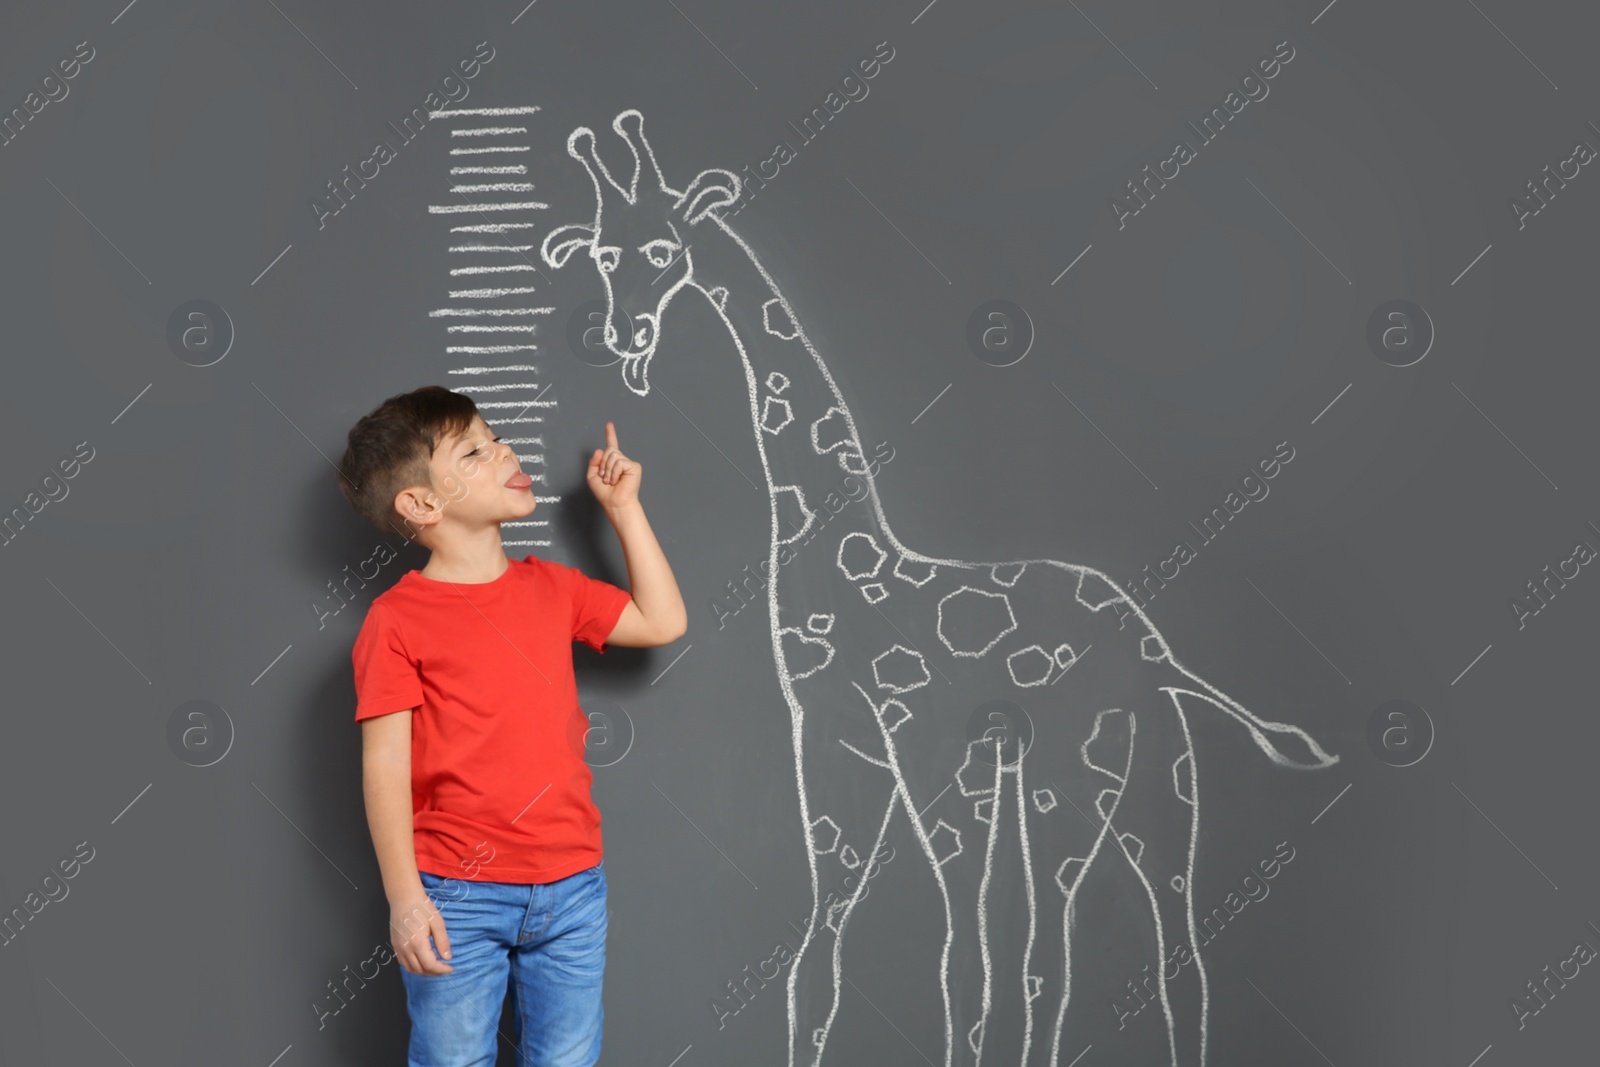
(470,490)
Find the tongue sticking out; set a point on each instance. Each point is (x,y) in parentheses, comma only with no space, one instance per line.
(520,481)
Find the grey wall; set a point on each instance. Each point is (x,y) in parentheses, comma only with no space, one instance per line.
(1371,599)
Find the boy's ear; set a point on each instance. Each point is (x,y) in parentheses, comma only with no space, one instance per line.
(411,503)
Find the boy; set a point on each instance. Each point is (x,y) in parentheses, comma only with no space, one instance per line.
(477,793)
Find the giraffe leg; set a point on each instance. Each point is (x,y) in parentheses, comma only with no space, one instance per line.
(976,884)
(1007,912)
(942,848)
(1075,846)
(839,917)
(838,784)
(1156,829)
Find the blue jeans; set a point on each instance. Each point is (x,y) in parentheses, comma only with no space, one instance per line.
(549,939)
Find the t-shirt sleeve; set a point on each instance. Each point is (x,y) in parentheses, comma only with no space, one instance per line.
(387,678)
(596,607)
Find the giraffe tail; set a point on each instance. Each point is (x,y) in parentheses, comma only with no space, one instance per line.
(1289,746)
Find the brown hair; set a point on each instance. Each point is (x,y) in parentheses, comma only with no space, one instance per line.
(390,449)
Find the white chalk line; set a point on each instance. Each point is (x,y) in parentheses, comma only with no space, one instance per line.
(493,227)
(458,209)
(486,111)
(493,370)
(500,388)
(494,187)
(503,268)
(440,312)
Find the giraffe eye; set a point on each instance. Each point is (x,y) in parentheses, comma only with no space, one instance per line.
(660,252)
(607,257)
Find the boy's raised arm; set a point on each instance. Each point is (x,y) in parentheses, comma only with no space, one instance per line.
(657,615)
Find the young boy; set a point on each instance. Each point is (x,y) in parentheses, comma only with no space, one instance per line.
(476,788)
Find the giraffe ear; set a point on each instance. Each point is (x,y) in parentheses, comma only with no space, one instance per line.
(711,190)
(561,242)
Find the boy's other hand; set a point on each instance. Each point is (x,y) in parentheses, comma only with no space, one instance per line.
(613,478)
(411,922)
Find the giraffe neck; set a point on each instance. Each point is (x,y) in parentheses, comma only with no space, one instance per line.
(804,432)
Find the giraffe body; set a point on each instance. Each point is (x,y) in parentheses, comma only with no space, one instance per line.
(885,655)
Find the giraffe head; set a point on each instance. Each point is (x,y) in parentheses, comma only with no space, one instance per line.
(640,242)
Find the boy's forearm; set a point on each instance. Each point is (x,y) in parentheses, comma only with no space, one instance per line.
(387,786)
(650,580)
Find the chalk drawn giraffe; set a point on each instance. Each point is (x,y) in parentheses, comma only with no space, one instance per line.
(882,654)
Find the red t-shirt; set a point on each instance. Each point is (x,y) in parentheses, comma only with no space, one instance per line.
(499,786)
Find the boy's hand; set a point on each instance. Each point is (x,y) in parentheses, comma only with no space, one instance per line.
(613,478)
(411,922)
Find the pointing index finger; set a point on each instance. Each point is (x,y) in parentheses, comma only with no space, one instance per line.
(611,435)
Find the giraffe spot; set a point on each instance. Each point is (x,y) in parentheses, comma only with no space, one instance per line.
(819,623)
(817,1035)
(849,858)
(777,381)
(1030,666)
(1110,743)
(916,572)
(1095,590)
(1006,574)
(972,620)
(1183,778)
(793,515)
(1035,985)
(719,296)
(1152,648)
(778,321)
(824,832)
(859,556)
(1134,846)
(852,461)
(830,431)
(975,777)
(1068,873)
(874,592)
(900,715)
(900,670)
(775,414)
(1177,883)
(1043,800)
(1065,657)
(836,913)
(810,654)
(983,810)
(975,1036)
(945,841)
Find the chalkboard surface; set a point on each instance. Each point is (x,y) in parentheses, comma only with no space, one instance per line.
(1128,468)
